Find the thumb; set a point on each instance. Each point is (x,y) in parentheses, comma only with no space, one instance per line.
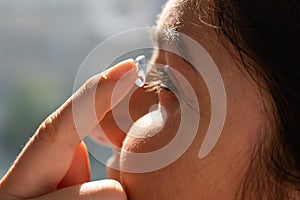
(97,190)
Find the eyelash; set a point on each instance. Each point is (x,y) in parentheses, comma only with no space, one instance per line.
(159,80)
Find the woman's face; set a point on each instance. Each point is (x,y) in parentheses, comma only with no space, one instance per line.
(220,173)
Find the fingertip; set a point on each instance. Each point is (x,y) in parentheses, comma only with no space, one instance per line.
(120,69)
(104,189)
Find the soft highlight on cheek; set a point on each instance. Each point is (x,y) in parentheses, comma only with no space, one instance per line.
(150,124)
(149,139)
(157,128)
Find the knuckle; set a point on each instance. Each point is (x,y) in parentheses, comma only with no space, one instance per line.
(91,83)
(47,130)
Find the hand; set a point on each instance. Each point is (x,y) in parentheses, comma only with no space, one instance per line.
(54,163)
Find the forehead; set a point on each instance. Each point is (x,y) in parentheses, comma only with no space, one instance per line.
(171,15)
(185,16)
(178,12)
(179,16)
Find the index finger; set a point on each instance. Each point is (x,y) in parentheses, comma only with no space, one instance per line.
(47,156)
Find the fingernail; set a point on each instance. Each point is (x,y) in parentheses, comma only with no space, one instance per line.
(120,69)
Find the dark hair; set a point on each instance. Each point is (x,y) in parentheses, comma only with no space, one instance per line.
(266,36)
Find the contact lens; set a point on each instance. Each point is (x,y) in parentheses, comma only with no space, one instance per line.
(141,63)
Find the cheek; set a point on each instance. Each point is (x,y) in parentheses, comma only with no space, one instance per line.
(140,185)
(140,102)
(175,177)
(163,127)
(117,122)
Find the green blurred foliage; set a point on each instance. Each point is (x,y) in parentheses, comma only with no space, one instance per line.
(25,108)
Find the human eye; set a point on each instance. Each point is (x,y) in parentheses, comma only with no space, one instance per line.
(164,79)
(160,78)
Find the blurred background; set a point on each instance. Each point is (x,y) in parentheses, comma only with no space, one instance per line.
(42,45)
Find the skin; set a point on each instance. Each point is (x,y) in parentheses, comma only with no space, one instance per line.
(217,176)
(56,158)
(220,174)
